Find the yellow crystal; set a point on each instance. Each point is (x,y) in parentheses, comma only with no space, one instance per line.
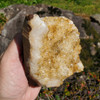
(59,52)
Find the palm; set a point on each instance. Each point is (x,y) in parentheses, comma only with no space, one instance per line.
(13,82)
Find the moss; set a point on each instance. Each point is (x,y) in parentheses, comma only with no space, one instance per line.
(2,21)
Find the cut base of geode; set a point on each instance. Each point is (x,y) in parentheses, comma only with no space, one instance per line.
(51,49)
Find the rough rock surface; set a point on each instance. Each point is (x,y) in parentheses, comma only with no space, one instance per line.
(11,28)
(96,17)
(95,22)
(93,50)
(96,26)
(98,44)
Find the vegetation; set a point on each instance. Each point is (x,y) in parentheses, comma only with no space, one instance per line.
(78,6)
(2,21)
(86,56)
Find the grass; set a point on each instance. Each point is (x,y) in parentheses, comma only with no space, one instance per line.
(85,7)
(77,6)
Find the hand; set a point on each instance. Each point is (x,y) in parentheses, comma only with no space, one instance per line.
(13,82)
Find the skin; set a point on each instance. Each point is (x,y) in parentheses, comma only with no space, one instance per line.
(13,82)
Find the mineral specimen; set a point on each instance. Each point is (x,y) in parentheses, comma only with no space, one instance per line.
(51,49)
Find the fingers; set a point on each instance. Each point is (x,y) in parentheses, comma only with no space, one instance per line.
(34,92)
(31,93)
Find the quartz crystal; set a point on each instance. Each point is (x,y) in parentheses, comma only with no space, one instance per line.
(54,50)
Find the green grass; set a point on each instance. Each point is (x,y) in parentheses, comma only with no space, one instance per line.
(77,6)
(84,6)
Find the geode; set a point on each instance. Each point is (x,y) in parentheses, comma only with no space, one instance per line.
(51,49)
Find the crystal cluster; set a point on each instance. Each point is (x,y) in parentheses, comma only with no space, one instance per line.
(54,50)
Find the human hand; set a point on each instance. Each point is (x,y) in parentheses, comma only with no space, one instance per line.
(13,82)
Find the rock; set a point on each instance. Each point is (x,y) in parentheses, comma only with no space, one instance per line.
(96,26)
(91,37)
(95,22)
(11,11)
(95,18)
(52,49)
(15,15)
(98,44)
(82,78)
(93,50)
(79,22)
(12,27)
(3,44)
